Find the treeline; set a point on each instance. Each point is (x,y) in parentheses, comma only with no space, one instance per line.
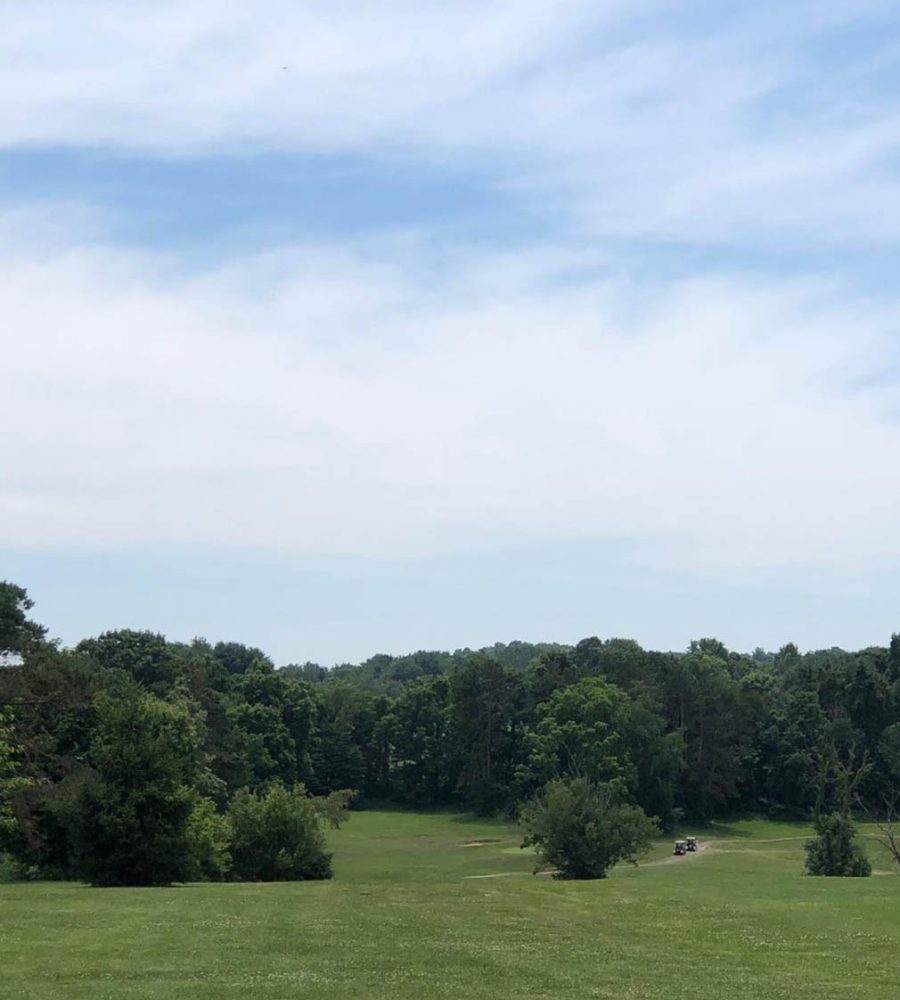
(690,735)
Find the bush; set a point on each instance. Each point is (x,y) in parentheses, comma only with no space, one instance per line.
(834,851)
(582,829)
(209,843)
(11,781)
(131,812)
(277,836)
(334,808)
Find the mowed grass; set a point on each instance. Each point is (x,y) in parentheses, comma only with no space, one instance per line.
(405,917)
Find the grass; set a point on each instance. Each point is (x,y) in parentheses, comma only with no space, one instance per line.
(405,917)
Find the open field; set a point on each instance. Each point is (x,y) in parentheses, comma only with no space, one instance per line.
(406,916)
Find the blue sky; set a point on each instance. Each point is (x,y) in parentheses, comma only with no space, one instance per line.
(340,328)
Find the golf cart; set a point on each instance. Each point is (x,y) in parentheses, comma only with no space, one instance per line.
(692,844)
(680,848)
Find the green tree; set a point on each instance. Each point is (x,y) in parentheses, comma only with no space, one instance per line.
(338,760)
(581,829)
(594,729)
(209,842)
(275,719)
(130,816)
(146,656)
(834,850)
(579,731)
(11,779)
(237,658)
(334,808)
(278,836)
(52,694)
(704,703)
(485,732)
(417,733)
(18,633)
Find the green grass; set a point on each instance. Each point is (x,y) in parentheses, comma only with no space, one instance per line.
(404,918)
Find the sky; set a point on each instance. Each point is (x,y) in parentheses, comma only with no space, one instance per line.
(346,327)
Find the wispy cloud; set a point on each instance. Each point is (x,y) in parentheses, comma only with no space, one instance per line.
(385,397)
(696,122)
(408,394)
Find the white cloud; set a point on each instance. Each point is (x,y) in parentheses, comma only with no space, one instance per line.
(642,118)
(386,397)
(340,400)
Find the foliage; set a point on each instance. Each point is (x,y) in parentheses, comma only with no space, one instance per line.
(209,836)
(278,836)
(145,656)
(18,633)
(485,732)
(334,808)
(834,850)
(11,780)
(696,734)
(130,816)
(580,731)
(581,829)
(416,730)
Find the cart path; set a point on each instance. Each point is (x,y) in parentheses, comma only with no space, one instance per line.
(703,847)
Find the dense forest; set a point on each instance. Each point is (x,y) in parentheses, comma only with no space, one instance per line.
(218,729)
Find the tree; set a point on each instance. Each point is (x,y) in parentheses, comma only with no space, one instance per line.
(18,633)
(51,698)
(704,702)
(580,731)
(334,808)
(554,669)
(888,822)
(834,850)
(582,829)
(237,658)
(130,816)
(275,720)
(209,842)
(11,779)
(146,656)
(484,739)
(278,836)
(416,730)
(337,760)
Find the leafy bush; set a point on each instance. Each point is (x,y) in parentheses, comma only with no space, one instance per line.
(131,813)
(277,836)
(582,829)
(334,808)
(209,843)
(11,780)
(834,851)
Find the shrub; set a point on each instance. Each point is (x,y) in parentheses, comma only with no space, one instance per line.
(582,829)
(334,808)
(130,815)
(834,850)
(209,843)
(277,836)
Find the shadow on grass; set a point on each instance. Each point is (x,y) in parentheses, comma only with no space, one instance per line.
(729,828)
(723,830)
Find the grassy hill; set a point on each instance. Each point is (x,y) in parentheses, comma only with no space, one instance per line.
(442,906)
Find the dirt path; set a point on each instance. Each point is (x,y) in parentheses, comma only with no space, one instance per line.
(702,847)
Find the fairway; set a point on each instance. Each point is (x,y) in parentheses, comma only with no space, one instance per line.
(441,906)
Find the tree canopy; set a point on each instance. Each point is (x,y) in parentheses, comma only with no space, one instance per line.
(693,734)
